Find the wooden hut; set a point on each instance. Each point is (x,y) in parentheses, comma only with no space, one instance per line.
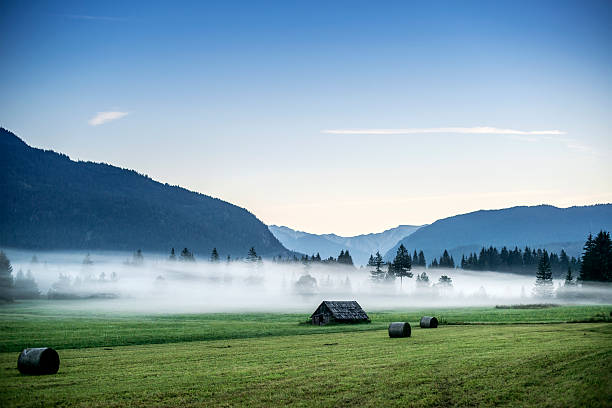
(339,312)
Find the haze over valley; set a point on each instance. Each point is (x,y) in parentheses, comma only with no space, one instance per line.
(184,251)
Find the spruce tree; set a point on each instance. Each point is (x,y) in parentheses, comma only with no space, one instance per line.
(376,261)
(6,278)
(345,258)
(172,255)
(187,255)
(138,258)
(597,259)
(569,279)
(390,275)
(214,255)
(348,260)
(25,287)
(445,281)
(564,261)
(587,264)
(402,264)
(544,282)
(446,261)
(422,263)
(252,255)
(422,280)
(87,260)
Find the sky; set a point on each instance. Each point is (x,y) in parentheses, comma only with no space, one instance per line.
(345,117)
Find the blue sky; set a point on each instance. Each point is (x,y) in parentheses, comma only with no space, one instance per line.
(345,117)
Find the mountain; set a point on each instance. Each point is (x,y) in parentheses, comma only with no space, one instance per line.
(542,226)
(51,202)
(360,246)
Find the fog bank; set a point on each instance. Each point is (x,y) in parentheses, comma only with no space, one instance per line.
(154,284)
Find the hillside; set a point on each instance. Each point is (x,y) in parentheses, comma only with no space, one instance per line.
(538,226)
(360,246)
(52,202)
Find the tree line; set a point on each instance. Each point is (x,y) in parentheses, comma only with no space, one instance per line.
(401,267)
(344,258)
(517,260)
(595,266)
(187,256)
(22,286)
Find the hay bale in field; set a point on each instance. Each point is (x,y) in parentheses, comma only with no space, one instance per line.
(399,329)
(429,322)
(37,361)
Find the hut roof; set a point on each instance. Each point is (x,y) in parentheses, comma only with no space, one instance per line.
(343,310)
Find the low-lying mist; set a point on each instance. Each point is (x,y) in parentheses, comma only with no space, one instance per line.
(154,284)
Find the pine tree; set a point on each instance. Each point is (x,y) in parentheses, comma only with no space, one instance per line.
(172,255)
(348,260)
(596,263)
(422,263)
(252,255)
(214,255)
(446,261)
(390,275)
(187,255)
(25,286)
(587,265)
(138,259)
(569,279)
(376,262)
(422,280)
(564,261)
(87,260)
(544,282)
(402,264)
(445,281)
(345,258)
(6,278)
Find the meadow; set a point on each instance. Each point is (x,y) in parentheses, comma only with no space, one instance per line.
(478,356)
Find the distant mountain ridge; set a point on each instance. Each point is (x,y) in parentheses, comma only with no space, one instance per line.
(542,226)
(360,246)
(52,202)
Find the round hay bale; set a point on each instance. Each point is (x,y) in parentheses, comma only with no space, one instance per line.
(37,361)
(429,322)
(399,329)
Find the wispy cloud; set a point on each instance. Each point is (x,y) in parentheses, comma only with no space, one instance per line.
(530,136)
(103,117)
(478,130)
(86,17)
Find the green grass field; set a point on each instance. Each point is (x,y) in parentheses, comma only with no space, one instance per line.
(511,357)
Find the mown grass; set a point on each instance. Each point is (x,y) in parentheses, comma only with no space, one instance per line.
(556,365)
(62,324)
